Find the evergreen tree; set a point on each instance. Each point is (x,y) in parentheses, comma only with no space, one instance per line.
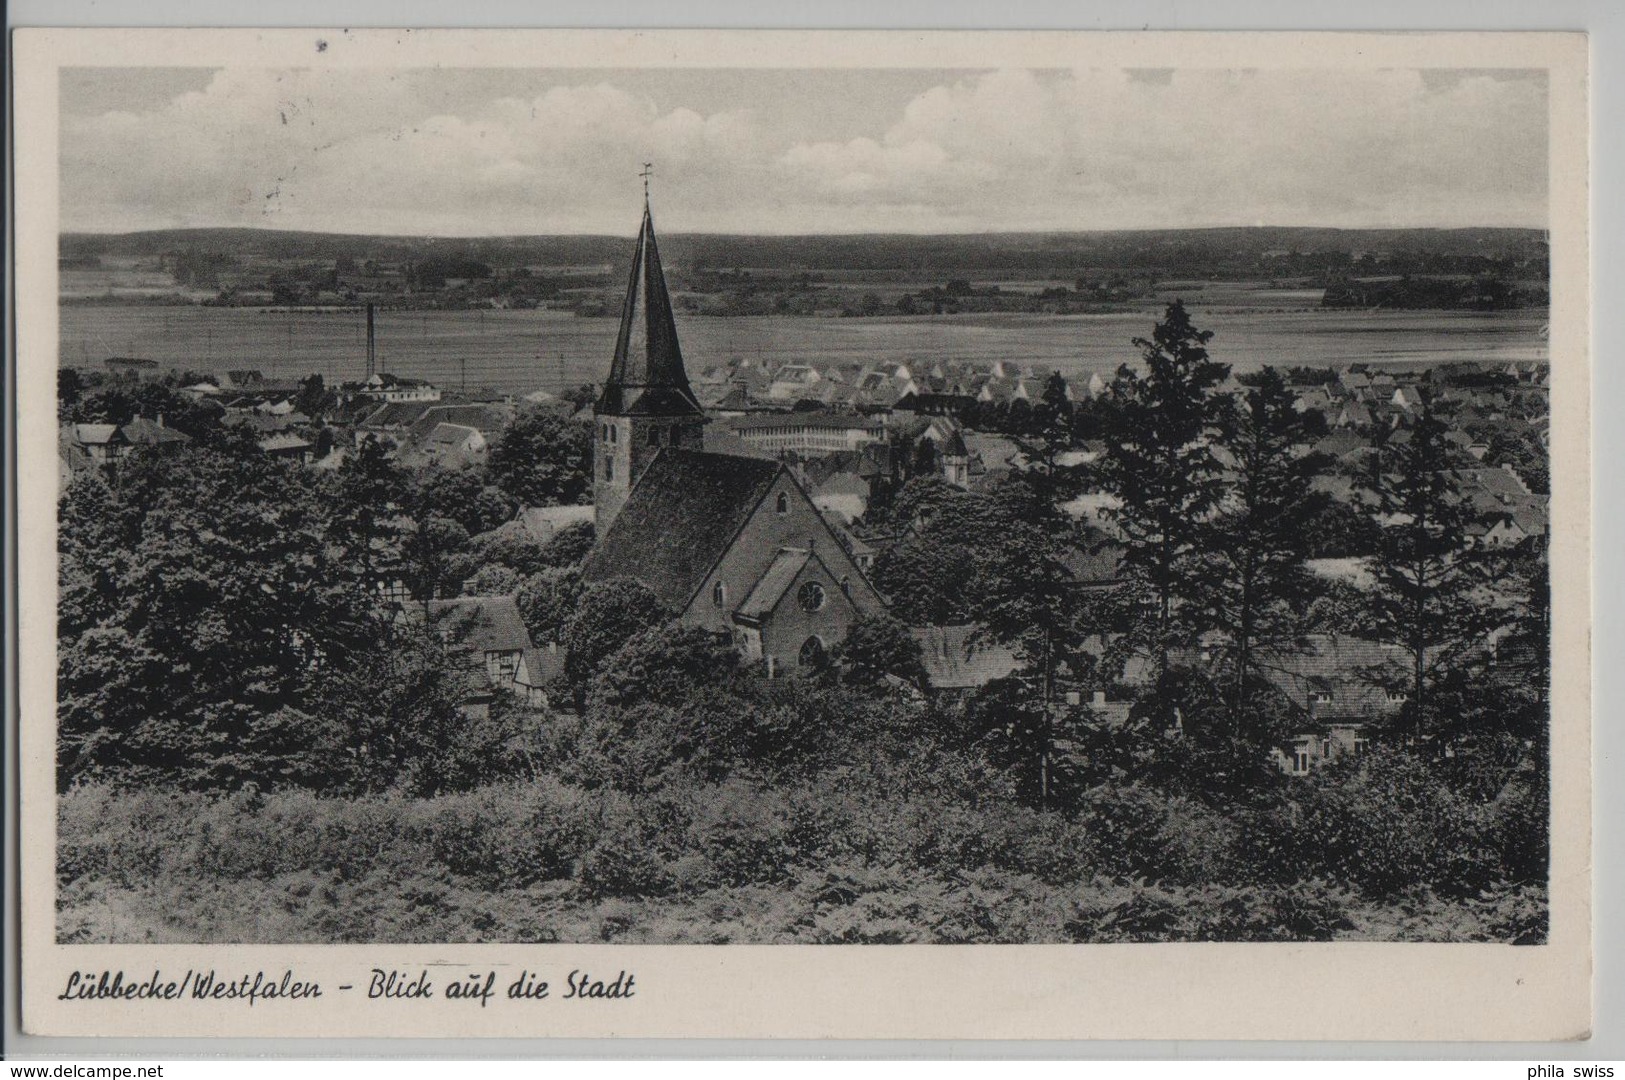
(1426,576)
(1259,591)
(1050,436)
(1161,469)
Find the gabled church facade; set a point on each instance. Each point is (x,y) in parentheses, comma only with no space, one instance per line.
(733,544)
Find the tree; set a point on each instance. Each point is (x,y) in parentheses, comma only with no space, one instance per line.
(1259,587)
(1160,466)
(543,459)
(548,601)
(877,646)
(465,496)
(369,491)
(1026,597)
(1051,435)
(1426,577)
(610,614)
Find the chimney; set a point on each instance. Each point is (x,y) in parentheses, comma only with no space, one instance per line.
(1098,698)
(372,345)
(160,419)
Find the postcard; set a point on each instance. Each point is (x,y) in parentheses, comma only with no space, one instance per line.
(804,534)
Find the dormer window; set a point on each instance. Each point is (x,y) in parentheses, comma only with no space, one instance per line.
(654,436)
(782,505)
(1321,697)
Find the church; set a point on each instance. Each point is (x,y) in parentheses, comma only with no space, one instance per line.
(733,544)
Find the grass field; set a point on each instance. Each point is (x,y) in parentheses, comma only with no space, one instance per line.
(519,351)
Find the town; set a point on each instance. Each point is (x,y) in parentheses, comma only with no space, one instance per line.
(1134,607)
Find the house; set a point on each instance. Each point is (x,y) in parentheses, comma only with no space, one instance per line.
(805,432)
(101,442)
(287,446)
(537,669)
(846,494)
(154,434)
(542,523)
(488,629)
(393,388)
(1341,685)
(454,444)
(732,544)
(958,658)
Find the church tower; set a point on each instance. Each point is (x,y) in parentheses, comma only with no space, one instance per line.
(646,403)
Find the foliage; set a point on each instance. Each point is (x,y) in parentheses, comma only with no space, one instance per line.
(543,459)
(609,615)
(1425,600)
(877,646)
(1160,466)
(218,628)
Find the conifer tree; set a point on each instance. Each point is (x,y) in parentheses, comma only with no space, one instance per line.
(1160,467)
(1259,589)
(1426,575)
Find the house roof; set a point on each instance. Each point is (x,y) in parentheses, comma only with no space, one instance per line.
(148,432)
(484,623)
(844,483)
(96,434)
(273,443)
(679,520)
(953,662)
(451,434)
(782,421)
(543,522)
(774,583)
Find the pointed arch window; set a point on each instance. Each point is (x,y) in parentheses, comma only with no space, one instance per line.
(813,653)
(782,503)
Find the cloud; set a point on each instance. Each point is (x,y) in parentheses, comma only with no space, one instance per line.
(1086,149)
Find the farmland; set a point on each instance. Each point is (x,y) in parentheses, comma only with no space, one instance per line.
(519,351)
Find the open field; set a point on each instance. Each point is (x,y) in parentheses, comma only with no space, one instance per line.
(520,351)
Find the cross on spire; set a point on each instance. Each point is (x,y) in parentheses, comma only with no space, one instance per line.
(648,171)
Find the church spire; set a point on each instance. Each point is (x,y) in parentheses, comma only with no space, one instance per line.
(646,376)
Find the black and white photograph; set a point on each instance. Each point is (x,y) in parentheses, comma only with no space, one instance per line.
(803,505)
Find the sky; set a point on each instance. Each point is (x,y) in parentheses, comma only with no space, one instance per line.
(451,152)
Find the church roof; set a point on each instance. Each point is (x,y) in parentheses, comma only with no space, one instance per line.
(773,584)
(679,520)
(647,377)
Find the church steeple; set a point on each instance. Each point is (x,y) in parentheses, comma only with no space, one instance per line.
(646,403)
(646,376)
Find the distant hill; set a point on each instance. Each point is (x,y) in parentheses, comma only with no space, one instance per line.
(1217,250)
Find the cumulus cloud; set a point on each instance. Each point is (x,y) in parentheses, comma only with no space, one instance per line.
(1086,149)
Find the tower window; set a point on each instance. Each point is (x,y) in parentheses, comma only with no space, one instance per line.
(609,468)
(612,436)
(783,503)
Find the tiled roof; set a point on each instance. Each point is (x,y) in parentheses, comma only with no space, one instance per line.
(283,442)
(543,522)
(774,582)
(451,434)
(95,434)
(484,623)
(953,662)
(148,432)
(679,520)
